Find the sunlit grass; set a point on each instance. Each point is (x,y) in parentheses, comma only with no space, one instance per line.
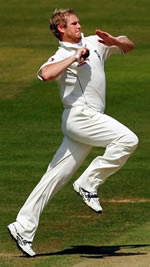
(30,130)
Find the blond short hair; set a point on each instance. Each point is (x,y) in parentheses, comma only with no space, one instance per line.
(59,17)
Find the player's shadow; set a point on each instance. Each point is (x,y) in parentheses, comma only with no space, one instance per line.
(98,251)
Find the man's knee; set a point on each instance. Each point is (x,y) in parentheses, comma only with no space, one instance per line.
(131,141)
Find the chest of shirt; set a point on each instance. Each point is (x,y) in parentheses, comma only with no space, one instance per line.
(92,68)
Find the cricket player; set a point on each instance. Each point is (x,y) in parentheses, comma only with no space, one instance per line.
(78,68)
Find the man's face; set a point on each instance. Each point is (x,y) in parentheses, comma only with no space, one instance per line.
(72,32)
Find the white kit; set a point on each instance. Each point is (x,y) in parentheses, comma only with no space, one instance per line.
(84,124)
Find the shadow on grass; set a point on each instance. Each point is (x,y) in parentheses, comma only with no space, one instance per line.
(98,251)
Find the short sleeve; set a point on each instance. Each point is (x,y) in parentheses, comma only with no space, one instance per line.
(110,50)
(58,56)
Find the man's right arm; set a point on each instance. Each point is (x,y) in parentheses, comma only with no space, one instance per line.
(52,71)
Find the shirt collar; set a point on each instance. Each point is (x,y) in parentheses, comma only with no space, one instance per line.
(76,45)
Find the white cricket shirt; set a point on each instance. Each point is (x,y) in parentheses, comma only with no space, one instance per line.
(83,83)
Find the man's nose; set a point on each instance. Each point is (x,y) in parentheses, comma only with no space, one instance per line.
(79,26)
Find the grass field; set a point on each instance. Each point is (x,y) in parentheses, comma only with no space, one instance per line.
(70,234)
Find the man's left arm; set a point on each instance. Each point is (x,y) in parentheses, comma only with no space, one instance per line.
(122,42)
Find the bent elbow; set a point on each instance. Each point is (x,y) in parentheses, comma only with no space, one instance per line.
(46,76)
(129,48)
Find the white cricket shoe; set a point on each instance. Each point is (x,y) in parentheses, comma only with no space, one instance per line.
(24,245)
(90,198)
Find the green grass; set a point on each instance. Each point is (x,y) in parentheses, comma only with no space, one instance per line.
(30,133)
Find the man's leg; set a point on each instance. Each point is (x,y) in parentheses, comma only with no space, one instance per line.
(120,142)
(66,161)
(88,126)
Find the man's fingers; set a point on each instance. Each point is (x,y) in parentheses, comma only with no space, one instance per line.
(98,31)
(86,54)
(83,53)
(84,50)
(101,34)
(101,41)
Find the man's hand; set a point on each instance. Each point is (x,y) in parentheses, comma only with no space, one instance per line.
(107,39)
(123,42)
(82,54)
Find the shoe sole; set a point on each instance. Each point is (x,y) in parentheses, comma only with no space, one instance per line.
(10,231)
(77,190)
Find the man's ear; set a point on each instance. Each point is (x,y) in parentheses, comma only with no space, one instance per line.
(60,28)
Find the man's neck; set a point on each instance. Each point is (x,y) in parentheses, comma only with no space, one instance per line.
(68,40)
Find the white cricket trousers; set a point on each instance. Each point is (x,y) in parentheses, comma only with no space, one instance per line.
(83,128)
